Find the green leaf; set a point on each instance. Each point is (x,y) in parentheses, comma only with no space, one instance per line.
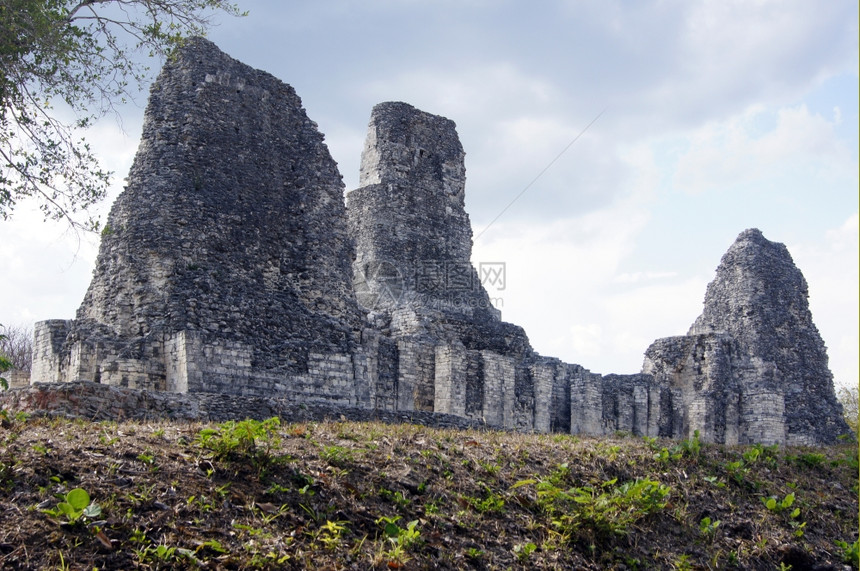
(522,483)
(770,503)
(78,498)
(92,511)
(67,510)
(392,529)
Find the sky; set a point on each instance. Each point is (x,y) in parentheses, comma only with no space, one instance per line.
(614,151)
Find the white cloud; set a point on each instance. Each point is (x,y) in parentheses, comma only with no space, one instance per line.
(47,267)
(830,265)
(557,277)
(472,92)
(724,153)
(732,54)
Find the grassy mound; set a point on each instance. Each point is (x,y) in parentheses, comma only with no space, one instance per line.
(342,495)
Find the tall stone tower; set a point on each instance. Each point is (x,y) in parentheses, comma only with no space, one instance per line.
(414,275)
(226,260)
(408,219)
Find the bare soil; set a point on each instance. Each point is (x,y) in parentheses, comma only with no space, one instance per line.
(345,495)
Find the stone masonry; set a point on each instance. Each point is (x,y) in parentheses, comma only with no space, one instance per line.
(232,268)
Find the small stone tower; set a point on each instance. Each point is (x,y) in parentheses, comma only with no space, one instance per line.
(753,367)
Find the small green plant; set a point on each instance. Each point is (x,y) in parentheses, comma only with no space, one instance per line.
(337,455)
(400,539)
(396,497)
(737,471)
(708,528)
(162,554)
(329,534)
(713,480)
(490,468)
(751,455)
(474,553)
(605,510)
(775,505)
(492,503)
(241,440)
(76,505)
(691,447)
(524,550)
(683,563)
(811,459)
(850,552)
(269,513)
(211,545)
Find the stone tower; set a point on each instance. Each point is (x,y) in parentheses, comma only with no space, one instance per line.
(413,273)
(226,260)
(408,219)
(754,359)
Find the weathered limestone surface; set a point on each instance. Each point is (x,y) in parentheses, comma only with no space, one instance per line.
(233,280)
(753,367)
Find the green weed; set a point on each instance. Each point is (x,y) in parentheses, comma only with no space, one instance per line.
(850,552)
(76,505)
(708,528)
(605,510)
(524,550)
(241,440)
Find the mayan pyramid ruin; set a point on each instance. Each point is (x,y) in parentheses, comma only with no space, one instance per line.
(233,264)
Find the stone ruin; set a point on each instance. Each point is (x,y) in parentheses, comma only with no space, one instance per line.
(231,265)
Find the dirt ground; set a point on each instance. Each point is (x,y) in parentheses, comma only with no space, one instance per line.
(339,495)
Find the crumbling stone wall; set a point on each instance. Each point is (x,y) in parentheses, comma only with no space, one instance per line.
(230,265)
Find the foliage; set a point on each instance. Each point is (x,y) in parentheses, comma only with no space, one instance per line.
(234,440)
(5,364)
(708,527)
(16,345)
(524,550)
(586,503)
(689,448)
(775,505)
(850,552)
(78,59)
(400,539)
(76,504)
(608,509)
